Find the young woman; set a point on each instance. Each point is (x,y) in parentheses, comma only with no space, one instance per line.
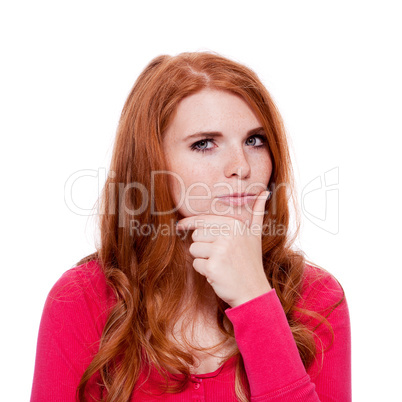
(195,291)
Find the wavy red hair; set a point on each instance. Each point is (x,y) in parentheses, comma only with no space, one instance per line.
(147,277)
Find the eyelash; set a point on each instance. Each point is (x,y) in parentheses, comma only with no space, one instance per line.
(194,146)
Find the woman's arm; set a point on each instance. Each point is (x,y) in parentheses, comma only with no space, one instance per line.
(72,321)
(233,266)
(273,365)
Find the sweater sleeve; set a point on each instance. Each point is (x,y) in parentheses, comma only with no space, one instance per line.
(273,365)
(72,321)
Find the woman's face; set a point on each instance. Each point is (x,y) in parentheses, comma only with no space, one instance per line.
(215,147)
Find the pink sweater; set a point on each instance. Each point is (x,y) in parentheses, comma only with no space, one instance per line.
(76,311)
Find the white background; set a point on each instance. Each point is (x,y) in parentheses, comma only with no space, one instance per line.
(334,69)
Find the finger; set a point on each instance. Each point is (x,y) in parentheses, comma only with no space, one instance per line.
(200,250)
(199,265)
(199,221)
(259,211)
(193,222)
(210,233)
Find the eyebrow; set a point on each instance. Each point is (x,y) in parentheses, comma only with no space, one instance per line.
(214,134)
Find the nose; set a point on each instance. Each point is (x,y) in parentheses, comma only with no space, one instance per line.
(237,164)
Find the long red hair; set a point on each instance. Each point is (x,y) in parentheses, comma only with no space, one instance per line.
(148,277)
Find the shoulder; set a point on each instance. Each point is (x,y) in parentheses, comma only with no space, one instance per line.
(81,287)
(323,309)
(321,293)
(71,327)
(320,286)
(83,279)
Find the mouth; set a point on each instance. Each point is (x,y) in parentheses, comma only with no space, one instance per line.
(237,199)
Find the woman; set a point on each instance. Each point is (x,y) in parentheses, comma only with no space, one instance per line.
(195,292)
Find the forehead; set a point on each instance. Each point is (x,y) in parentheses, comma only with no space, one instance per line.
(212,110)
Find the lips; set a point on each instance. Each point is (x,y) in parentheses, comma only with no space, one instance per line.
(237,198)
(237,195)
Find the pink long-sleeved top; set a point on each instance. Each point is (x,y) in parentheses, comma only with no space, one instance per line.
(76,311)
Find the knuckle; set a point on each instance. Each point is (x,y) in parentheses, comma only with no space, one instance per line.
(194,234)
(192,248)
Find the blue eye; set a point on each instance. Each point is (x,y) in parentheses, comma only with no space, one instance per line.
(201,146)
(198,146)
(259,137)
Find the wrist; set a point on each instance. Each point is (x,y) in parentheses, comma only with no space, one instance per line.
(265,288)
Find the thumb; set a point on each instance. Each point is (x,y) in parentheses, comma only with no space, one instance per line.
(259,210)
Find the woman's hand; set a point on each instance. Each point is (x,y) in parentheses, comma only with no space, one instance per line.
(229,254)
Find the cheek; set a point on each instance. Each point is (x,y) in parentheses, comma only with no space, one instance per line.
(188,181)
(197,176)
(192,190)
(198,182)
(266,170)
